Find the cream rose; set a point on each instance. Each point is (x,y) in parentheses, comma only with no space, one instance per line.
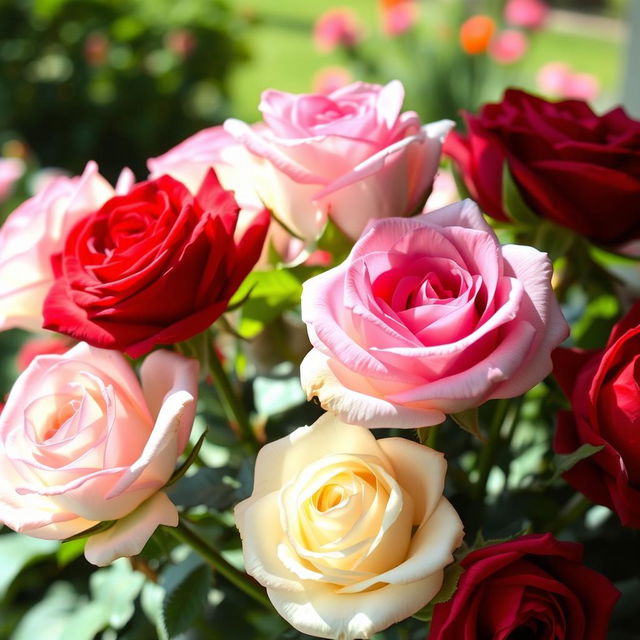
(349,534)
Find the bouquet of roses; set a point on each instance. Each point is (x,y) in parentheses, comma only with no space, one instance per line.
(169,415)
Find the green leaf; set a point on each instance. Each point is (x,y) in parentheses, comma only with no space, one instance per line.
(468,420)
(115,588)
(269,294)
(206,487)
(151,600)
(69,551)
(184,603)
(47,619)
(16,552)
(566,461)
(553,239)
(335,241)
(452,575)
(513,204)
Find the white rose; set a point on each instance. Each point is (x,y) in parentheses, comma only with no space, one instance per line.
(349,534)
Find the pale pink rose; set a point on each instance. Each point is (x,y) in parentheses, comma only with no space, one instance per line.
(428,316)
(349,534)
(508,46)
(337,27)
(398,16)
(330,79)
(81,441)
(32,234)
(11,170)
(352,155)
(529,14)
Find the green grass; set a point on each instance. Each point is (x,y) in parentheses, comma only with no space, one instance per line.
(283,55)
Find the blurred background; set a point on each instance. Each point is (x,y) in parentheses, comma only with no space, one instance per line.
(119,81)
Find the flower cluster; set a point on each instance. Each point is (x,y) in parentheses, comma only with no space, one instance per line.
(416,317)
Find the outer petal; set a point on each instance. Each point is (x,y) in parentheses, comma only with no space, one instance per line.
(318,380)
(326,614)
(128,536)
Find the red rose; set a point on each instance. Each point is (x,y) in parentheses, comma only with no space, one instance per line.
(571,166)
(154,266)
(534,587)
(603,387)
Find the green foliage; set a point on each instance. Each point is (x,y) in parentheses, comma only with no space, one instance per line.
(117,82)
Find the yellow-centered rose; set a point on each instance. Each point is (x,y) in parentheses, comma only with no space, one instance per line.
(349,534)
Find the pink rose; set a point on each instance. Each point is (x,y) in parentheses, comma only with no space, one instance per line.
(529,14)
(81,441)
(352,155)
(336,27)
(428,316)
(508,46)
(32,234)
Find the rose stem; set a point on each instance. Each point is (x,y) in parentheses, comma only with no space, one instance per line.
(487,452)
(244,582)
(233,404)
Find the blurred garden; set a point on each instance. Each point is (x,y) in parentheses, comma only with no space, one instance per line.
(124,83)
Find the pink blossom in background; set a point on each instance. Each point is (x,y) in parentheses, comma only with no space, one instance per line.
(11,170)
(559,80)
(508,46)
(529,14)
(181,42)
(96,48)
(398,16)
(428,316)
(338,27)
(330,79)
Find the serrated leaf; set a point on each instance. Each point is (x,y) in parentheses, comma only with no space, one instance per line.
(565,462)
(186,601)
(452,575)
(468,420)
(151,600)
(513,204)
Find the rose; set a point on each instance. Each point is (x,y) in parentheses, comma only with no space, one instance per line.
(155,266)
(339,26)
(568,164)
(428,316)
(349,534)
(350,155)
(533,587)
(602,386)
(82,442)
(32,234)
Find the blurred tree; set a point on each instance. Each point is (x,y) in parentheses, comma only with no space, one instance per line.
(113,80)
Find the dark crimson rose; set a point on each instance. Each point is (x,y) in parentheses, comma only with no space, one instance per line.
(604,389)
(155,266)
(534,587)
(577,169)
